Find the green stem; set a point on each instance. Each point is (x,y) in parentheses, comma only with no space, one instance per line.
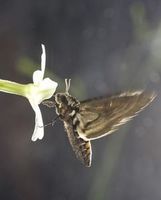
(12,87)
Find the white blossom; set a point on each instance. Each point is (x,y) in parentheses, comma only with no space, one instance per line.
(41,89)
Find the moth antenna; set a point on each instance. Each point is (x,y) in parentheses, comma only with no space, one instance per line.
(67,84)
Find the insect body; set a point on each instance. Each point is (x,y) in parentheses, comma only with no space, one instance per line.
(95,118)
(67,107)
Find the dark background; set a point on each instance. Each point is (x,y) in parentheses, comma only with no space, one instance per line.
(104,47)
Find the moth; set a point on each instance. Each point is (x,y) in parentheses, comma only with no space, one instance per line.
(95,118)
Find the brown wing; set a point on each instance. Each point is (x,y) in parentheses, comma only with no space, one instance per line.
(103,116)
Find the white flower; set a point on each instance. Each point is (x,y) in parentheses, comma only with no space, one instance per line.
(40,90)
(35,92)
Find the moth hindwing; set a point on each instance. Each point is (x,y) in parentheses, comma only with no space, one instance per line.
(95,118)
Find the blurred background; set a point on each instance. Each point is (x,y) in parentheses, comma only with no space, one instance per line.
(104,47)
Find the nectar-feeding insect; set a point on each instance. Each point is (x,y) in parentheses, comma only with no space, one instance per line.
(95,118)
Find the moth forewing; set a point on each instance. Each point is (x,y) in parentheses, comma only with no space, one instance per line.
(102,116)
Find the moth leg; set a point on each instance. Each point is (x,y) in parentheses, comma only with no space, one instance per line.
(48,103)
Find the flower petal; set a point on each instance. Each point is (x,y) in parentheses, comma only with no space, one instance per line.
(47,87)
(38,93)
(37,76)
(39,126)
(43,59)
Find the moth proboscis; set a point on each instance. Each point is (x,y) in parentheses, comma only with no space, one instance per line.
(95,118)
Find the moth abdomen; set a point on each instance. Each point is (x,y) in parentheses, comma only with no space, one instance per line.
(85,152)
(81,147)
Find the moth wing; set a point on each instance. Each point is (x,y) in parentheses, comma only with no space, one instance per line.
(100,117)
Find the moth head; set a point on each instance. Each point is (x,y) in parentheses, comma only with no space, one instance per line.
(64,102)
(62,98)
